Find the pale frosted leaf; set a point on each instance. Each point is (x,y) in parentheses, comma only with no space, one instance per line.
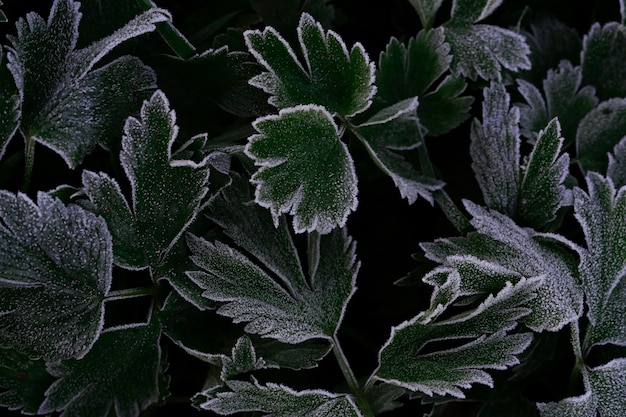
(602,59)
(167,194)
(426,9)
(125,386)
(10,111)
(617,164)
(292,314)
(495,150)
(473,10)
(243,359)
(55,270)
(276,401)
(393,129)
(601,212)
(608,383)
(478,341)
(23,381)
(582,406)
(598,133)
(483,50)
(333,77)
(55,84)
(305,169)
(541,191)
(564,98)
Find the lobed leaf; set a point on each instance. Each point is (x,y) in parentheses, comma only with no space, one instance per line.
(393,129)
(125,386)
(167,193)
(243,359)
(276,401)
(305,170)
(23,381)
(602,60)
(55,271)
(57,90)
(601,212)
(338,79)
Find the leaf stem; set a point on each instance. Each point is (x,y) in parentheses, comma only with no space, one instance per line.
(29,161)
(172,36)
(130,293)
(358,392)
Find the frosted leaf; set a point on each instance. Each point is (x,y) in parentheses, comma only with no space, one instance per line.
(167,194)
(582,406)
(393,129)
(382,397)
(412,71)
(303,355)
(473,11)
(601,213)
(482,50)
(304,168)
(55,270)
(9,106)
(617,164)
(564,98)
(119,376)
(602,60)
(56,86)
(495,150)
(541,191)
(292,311)
(276,401)
(243,359)
(598,133)
(478,341)
(23,381)
(426,9)
(499,252)
(333,77)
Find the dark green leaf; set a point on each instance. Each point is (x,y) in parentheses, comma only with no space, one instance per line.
(55,270)
(10,111)
(426,9)
(617,164)
(243,359)
(383,398)
(284,15)
(473,10)
(23,380)
(603,57)
(305,169)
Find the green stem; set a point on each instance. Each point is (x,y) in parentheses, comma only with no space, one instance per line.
(29,161)
(130,293)
(357,391)
(172,36)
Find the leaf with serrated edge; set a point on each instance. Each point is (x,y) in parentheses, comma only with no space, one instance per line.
(447,371)
(582,406)
(392,129)
(602,60)
(277,401)
(617,164)
(302,311)
(338,79)
(305,169)
(482,51)
(495,150)
(55,270)
(243,359)
(541,191)
(127,385)
(23,381)
(167,194)
(601,212)
(56,86)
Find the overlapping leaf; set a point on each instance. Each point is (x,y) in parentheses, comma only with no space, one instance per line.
(603,58)
(396,128)
(23,381)
(305,169)
(472,11)
(58,90)
(410,71)
(167,194)
(601,213)
(338,79)
(119,376)
(9,106)
(478,341)
(276,400)
(617,164)
(55,270)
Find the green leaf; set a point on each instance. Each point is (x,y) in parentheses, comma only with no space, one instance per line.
(603,58)
(563,99)
(409,71)
(541,191)
(167,194)
(396,128)
(9,106)
(127,384)
(3,17)
(382,398)
(55,270)
(303,355)
(617,164)
(305,169)
(23,381)
(473,10)
(582,406)
(500,252)
(601,213)
(290,309)
(276,401)
(58,90)
(426,9)
(495,150)
(338,79)
(243,359)
(284,15)
(482,50)
(476,341)
(598,132)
